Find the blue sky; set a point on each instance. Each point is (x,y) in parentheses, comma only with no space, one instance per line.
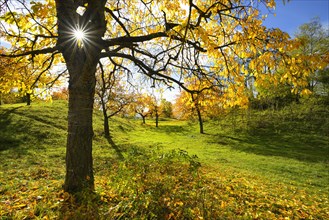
(291,15)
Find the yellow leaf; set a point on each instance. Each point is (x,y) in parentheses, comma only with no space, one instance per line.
(19,206)
(306,92)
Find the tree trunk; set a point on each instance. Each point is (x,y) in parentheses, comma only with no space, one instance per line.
(79,162)
(199,114)
(105,119)
(106,127)
(200,119)
(143,119)
(156,119)
(81,60)
(28,98)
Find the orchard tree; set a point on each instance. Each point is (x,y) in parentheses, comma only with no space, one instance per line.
(143,105)
(207,96)
(168,41)
(156,110)
(166,108)
(60,94)
(112,94)
(155,105)
(34,78)
(14,78)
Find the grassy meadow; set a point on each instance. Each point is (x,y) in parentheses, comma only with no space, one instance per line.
(248,165)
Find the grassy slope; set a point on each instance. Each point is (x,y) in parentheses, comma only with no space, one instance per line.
(298,159)
(276,162)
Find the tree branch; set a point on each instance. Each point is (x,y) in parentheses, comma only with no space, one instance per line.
(32,52)
(139,39)
(151,72)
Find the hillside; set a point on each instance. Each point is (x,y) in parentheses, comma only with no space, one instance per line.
(264,165)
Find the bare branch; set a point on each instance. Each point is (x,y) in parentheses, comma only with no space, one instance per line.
(117,20)
(151,72)
(33,52)
(52,58)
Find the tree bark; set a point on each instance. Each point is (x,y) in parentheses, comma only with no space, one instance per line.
(102,94)
(81,61)
(28,98)
(200,120)
(79,163)
(197,108)
(106,127)
(106,120)
(156,119)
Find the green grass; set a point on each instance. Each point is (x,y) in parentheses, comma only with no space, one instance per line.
(294,158)
(266,165)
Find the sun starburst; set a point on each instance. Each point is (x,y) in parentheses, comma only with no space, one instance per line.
(79,35)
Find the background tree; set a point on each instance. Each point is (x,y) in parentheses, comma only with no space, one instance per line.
(180,109)
(155,105)
(61,94)
(34,79)
(314,45)
(309,50)
(166,108)
(206,35)
(143,105)
(5,79)
(271,95)
(111,93)
(205,98)
(323,78)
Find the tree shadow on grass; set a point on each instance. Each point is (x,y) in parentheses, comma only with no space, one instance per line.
(171,129)
(302,147)
(21,133)
(115,147)
(8,139)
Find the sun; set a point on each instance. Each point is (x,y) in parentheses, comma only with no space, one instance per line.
(79,35)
